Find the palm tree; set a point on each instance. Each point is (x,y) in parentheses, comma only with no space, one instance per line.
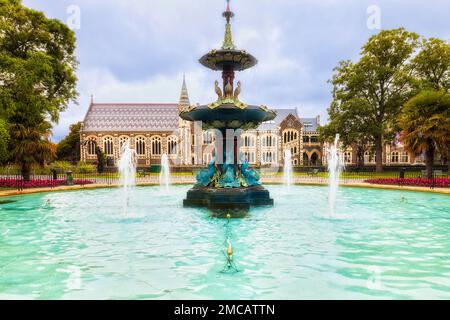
(425,124)
(31,145)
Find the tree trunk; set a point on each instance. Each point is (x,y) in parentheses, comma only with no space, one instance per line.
(429,155)
(360,156)
(26,171)
(379,154)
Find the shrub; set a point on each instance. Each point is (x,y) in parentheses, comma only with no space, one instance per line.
(61,166)
(83,167)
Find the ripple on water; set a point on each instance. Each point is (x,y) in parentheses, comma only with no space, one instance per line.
(381,244)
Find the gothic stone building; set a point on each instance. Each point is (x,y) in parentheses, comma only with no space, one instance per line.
(154,129)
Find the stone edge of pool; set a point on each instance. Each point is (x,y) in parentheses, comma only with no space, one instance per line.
(6,193)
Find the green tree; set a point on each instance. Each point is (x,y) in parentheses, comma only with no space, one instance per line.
(425,120)
(69,148)
(37,73)
(31,145)
(432,65)
(4,140)
(368,94)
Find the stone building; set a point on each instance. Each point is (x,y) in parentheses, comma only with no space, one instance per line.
(155,129)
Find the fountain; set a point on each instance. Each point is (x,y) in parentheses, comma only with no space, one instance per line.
(164,175)
(287,174)
(127,171)
(228,183)
(335,166)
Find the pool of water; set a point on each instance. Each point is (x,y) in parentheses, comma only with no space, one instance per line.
(70,245)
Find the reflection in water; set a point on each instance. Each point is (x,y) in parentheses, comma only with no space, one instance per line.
(230,266)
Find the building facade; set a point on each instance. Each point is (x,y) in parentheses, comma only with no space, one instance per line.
(155,129)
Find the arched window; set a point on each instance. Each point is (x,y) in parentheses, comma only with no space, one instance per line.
(290,135)
(156,146)
(314,159)
(269,141)
(405,157)
(268,157)
(172,145)
(394,157)
(108,146)
(347,157)
(140,146)
(305,159)
(91,146)
(368,157)
(122,141)
(249,141)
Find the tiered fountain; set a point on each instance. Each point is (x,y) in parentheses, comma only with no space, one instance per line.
(228,182)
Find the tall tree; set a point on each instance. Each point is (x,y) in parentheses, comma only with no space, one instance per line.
(425,120)
(37,73)
(69,148)
(432,65)
(370,92)
(4,140)
(348,118)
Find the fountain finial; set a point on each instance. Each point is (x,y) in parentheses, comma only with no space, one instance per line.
(228,40)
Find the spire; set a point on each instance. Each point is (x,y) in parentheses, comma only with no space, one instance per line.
(228,40)
(184,96)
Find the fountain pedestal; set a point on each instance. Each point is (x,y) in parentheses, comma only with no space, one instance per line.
(228,183)
(224,198)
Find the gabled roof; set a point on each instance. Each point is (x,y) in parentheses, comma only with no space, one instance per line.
(129,117)
(281,115)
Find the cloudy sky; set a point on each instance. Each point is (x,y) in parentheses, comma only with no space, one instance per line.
(138,50)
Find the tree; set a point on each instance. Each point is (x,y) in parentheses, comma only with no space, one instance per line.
(368,94)
(31,145)
(348,119)
(69,148)
(432,65)
(425,120)
(4,140)
(37,74)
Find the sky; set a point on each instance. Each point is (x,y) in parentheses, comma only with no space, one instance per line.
(138,50)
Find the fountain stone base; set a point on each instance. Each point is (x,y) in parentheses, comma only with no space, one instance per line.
(228,198)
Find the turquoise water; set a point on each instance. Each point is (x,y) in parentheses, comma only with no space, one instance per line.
(382,244)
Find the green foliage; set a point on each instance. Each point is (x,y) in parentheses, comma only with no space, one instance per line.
(432,65)
(61,166)
(368,94)
(83,167)
(425,124)
(30,145)
(69,148)
(37,68)
(4,140)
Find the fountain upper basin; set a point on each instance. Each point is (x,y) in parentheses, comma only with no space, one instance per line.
(229,116)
